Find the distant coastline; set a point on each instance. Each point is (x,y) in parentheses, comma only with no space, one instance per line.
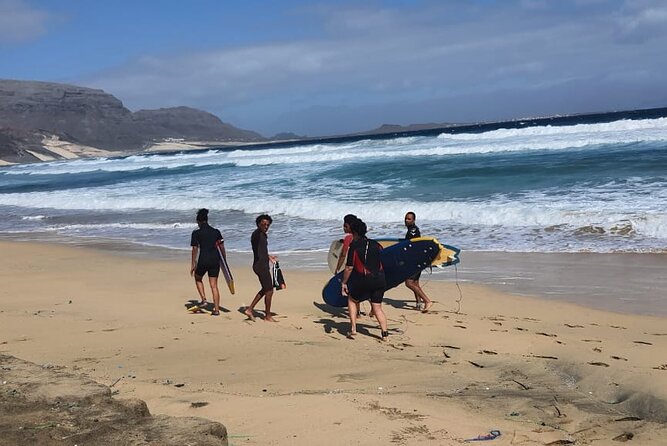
(92,123)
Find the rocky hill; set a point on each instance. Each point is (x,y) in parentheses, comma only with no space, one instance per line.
(31,111)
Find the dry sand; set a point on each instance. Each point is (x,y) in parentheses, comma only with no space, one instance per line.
(541,372)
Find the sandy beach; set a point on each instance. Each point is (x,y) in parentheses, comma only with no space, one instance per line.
(542,372)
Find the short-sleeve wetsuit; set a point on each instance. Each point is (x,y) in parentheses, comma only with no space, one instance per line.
(413,232)
(205,238)
(367,281)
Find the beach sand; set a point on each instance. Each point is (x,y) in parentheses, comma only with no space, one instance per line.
(539,371)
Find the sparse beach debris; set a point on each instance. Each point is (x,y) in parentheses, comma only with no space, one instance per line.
(492,435)
(198,404)
(625,436)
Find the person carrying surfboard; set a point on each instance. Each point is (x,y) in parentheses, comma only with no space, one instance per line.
(413,282)
(260,265)
(205,259)
(365,275)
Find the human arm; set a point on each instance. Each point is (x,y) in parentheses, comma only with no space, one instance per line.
(346,276)
(193,262)
(341,259)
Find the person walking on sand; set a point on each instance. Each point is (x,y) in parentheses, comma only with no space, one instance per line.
(205,259)
(365,275)
(260,265)
(347,220)
(413,282)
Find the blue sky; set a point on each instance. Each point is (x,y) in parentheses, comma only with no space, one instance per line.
(331,67)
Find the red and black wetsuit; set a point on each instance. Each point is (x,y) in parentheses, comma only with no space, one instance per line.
(367,281)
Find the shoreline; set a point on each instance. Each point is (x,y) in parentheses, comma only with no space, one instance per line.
(539,371)
(618,282)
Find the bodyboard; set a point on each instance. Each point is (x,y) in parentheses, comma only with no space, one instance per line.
(278,278)
(226,272)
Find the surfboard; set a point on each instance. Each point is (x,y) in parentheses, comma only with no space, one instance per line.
(335,251)
(449,255)
(226,272)
(400,259)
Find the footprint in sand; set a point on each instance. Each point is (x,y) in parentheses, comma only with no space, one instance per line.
(500,331)
(599,364)
(520,329)
(487,352)
(619,358)
(461,326)
(574,326)
(546,334)
(642,342)
(541,356)
(591,340)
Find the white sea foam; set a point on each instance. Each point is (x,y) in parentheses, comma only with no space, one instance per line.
(502,140)
(534,210)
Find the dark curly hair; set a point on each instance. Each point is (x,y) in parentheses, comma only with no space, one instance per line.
(263,217)
(358,227)
(202,215)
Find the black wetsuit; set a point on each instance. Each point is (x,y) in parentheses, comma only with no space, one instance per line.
(367,281)
(205,238)
(413,232)
(260,265)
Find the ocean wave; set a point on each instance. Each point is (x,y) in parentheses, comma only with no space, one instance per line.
(534,211)
(540,138)
(645,127)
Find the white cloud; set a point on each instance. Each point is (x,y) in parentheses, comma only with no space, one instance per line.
(19,22)
(370,57)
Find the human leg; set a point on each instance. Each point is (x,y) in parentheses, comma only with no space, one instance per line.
(249,309)
(414,286)
(200,288)
(268,297)
(213,282)
(381,318)
(352,310)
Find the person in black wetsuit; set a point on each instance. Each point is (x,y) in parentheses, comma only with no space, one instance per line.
(260,265)
(205,258)
(365,275)
(413,282)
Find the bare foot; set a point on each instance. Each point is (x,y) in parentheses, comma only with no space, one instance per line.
(248,312)
(427,306)
(269,319)
(350,334)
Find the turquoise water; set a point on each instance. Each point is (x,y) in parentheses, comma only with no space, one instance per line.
(582,187)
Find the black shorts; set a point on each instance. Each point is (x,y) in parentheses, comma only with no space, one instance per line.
(375,296)
(264,276)
(210,269)
(416,276)
(368,288)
